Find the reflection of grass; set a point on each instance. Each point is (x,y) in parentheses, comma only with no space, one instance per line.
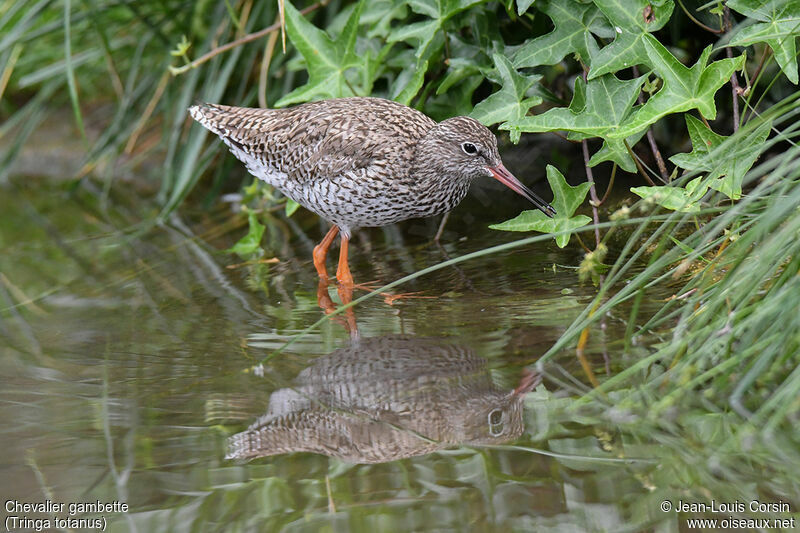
(720,394)
(716,400)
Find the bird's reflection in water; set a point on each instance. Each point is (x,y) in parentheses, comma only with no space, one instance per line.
(387,398)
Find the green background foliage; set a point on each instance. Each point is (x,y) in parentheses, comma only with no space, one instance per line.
(710,89)
(603,70)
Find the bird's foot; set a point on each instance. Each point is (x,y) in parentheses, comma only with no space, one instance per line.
(368,286)
(390,298)
(326,304)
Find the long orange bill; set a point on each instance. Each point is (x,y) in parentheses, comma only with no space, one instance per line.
(505,177)
(528,381)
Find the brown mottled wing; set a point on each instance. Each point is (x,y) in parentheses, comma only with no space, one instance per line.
(352,135)
(319,140)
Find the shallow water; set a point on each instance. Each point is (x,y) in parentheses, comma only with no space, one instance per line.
(130,356)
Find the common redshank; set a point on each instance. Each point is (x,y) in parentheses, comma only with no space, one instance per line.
(388,398)
(361,161)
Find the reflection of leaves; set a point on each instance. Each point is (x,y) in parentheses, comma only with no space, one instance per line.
(574,24)
(509,103)
(685,199)
(327,59)
(779,27)
(566,200)
(633,21)
(729,165)
(250,244)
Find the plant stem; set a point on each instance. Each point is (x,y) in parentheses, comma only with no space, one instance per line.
(735,89)
(590,178)
(148,111)
(71,83)
(693,19)
(639,165)
(441,227)
(592,191)
(238,42)
(662,168)
(610,184)
(265,62)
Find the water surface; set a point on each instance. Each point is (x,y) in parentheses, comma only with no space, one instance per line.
(130,356)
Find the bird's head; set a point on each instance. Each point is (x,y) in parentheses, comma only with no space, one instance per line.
(464,148)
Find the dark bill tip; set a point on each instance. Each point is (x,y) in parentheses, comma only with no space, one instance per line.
(501,174)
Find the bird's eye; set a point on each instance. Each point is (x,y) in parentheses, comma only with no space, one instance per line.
(469,148)
(495,420)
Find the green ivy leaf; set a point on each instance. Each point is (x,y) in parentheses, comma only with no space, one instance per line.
(685,199)
(423,33)
(633,21)
(574,24)
(291,207)
(618,153)
(467,59)
(509,103)
(250,244)
(456,101)
(408,83)
(683,89)
(726,166)
(566,200)
(779,28)
(523,5)
(379,16)
(327,60)
(598,109)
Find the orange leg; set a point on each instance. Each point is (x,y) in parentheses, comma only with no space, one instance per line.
(327,305)
(343,271)
(321,251)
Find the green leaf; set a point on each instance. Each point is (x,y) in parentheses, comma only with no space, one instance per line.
(523,5)
(602,107)
(427,36)
(291,207)
(410,84)
(688,250)
(467,58)
(566,200)
(457,101)
(726,165)
(379,16)
(574,24)
(599,108)
(423,33)
(618,153)
(633,21)
(683,89)
(675,198)
(327,60)
(509,103)
(250,244)
(779,28)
